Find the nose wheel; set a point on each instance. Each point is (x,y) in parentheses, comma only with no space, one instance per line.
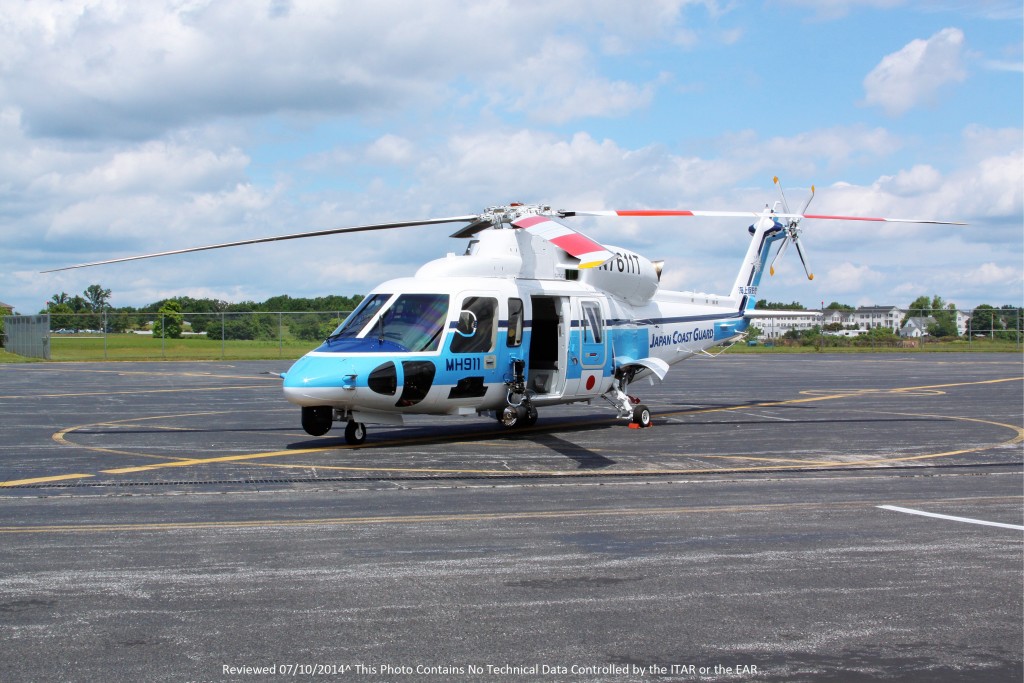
(355,433)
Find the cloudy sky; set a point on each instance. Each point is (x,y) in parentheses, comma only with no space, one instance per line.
(131,128)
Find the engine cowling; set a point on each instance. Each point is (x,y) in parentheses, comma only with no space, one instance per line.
(629,276)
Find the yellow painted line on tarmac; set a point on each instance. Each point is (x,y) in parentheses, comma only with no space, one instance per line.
(60,437)
(43,480)
(135,392)
(781,463)
(758,508)
(206,461)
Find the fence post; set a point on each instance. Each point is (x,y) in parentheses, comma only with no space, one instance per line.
(222,335)
(280,334)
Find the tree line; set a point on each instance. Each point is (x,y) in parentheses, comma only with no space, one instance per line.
(173,316)
(168,317)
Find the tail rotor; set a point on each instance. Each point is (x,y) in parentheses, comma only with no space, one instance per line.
(792,228)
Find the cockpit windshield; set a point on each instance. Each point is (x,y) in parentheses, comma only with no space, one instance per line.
(414,322)
(351,326)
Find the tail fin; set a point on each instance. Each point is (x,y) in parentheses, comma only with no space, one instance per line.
(764,233)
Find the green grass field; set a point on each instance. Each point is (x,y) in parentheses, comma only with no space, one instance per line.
(123,347)
(128,347)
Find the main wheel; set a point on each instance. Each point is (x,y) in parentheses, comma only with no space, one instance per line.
(355,433)
(512,416)
(317,420)
(642,416)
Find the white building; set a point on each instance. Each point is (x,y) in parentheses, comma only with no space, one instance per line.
(856,322)
(872,317)
(786,321)
(916,327)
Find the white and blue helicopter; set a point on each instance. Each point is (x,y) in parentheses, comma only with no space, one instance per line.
(533,314)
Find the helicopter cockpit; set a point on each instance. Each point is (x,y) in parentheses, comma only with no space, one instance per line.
(388,322)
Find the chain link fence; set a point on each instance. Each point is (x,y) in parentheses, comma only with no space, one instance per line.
(288,335)
(189,336)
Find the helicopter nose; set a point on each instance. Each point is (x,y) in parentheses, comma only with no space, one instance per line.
(318,380)
(349,381)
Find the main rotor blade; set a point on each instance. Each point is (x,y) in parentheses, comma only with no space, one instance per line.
(751,214)
(590,253)
(279,238)
(666,212)
(877,220)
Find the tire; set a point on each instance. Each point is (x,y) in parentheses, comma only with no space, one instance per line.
(642,416)
(317,420)
(531,417)
(355,433)
(511,417)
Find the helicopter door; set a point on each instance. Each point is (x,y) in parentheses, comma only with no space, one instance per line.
(592,348)
(548,341)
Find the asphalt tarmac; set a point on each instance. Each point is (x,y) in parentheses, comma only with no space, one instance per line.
(171,522)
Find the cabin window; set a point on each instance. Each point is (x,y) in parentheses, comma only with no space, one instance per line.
(475,330)
(515,323)
(591,322)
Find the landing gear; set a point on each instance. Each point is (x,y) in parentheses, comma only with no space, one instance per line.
(629,408)
(641,417)
(522,415)
(512,416)
(355,433)
(317,420)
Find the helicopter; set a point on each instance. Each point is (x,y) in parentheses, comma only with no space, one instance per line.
(534,313)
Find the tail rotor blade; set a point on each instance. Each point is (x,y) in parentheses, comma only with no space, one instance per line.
(808,202)
(782,250)
(785,204)
(803,258)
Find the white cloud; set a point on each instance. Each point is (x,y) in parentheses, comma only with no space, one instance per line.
(846,277)
(989,274)
(920,178)
(136,70)
(915,74)
(390,149)
(828,10)
(137,127)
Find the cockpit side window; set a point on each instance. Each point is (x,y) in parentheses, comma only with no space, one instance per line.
(358,319)
(477,325)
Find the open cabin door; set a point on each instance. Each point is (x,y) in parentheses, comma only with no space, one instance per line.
(548,346)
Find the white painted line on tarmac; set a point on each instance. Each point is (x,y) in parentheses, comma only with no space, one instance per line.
(910,511)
